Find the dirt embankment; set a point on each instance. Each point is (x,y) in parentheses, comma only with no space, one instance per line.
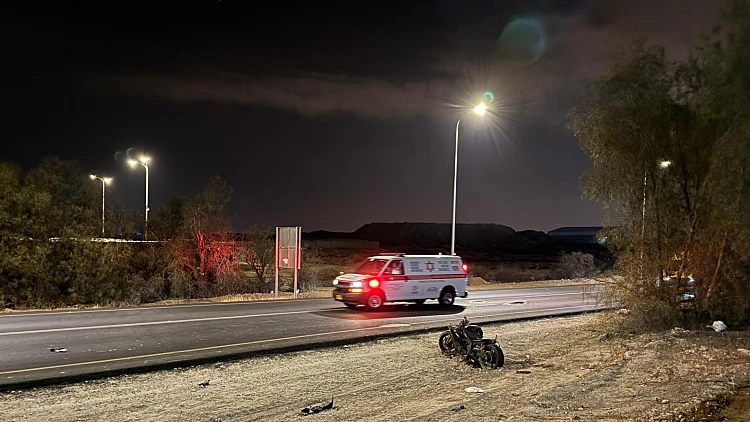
(556,369)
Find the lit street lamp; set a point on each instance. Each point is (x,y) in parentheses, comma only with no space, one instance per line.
(479,110)
(663,165)
(105,182)
(144,162)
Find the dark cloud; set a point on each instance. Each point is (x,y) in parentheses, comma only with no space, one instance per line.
(582,43)
(310,95)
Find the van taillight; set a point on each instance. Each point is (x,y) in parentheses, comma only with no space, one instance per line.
(374,283)
(466,269)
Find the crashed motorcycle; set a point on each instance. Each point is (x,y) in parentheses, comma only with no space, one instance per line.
(467,340)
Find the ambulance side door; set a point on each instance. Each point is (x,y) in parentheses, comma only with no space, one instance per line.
(419,285)
(395,281)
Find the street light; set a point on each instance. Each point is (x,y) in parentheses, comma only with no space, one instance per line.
(663,165)
(143,161)
(479,110)
(105,182)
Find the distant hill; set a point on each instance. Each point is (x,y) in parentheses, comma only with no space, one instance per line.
(437,235)
(326,235)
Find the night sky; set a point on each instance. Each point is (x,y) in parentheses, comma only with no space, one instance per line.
(327,115)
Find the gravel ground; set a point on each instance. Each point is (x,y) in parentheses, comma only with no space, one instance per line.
(556,369)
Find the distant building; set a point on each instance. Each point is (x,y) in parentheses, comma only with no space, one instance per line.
(585,235)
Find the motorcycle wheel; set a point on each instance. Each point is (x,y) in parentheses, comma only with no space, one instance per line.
(446,344)
(493,357)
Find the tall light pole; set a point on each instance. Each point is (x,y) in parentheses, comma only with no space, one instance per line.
(663,165)
(105,182)
(144,162)
(479,110)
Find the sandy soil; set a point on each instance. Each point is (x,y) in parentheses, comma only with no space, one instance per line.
(556,369)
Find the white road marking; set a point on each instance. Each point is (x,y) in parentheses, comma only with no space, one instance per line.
(182,321)
(141,324)
(146,308)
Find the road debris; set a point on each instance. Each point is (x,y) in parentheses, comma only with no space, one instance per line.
(204,383)
(317,409)
(718,326)
(59,350)
(473,390)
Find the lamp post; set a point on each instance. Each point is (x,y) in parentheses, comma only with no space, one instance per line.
(663,165)
(143,161)
(479,110)
(105,182)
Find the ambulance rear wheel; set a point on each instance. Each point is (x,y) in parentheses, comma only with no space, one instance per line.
(374,302)
(447,297)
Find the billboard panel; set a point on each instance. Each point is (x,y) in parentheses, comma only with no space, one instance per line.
(289,244)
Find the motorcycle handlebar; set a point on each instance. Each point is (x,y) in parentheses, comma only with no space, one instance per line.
(463,323)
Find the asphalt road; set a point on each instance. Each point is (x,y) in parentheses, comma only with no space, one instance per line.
(102,342)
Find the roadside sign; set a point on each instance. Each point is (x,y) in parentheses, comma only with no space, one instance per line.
(288,254)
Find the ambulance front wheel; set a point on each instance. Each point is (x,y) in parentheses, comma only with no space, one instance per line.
(374,301)
(447,297)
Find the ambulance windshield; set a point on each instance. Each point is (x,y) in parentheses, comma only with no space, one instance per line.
(370,266)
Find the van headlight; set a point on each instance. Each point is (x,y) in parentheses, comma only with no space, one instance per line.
(356,284)
(335,282)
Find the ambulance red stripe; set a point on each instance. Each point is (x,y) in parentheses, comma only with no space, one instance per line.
(423,277)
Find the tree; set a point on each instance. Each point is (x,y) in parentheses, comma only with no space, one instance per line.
(260,252)
(59,200)
(212,245)
(170,220)
(690,218)
(54,200)
(10,187)
(121,223)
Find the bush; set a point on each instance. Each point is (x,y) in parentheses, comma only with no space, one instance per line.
(509,273)
(146,290)
(650,315)
(577,265)
(181,285)
(312,277)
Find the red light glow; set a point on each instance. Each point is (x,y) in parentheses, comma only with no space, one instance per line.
(374,283)
(466,269)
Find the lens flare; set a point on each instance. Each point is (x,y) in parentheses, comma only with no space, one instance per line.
(523,40)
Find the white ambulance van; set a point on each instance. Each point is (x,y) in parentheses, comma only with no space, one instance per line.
(403,278)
